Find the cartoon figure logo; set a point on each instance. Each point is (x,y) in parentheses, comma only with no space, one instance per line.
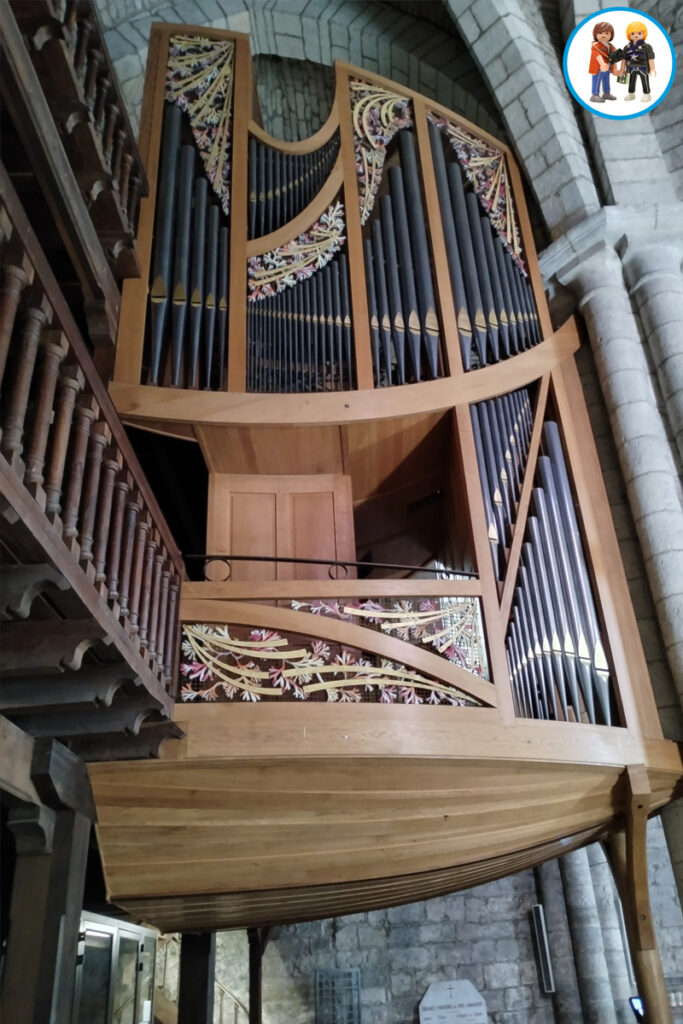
(638,60)
(620,58)
(599,67)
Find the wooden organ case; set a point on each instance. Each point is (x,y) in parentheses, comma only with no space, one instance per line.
(412,664)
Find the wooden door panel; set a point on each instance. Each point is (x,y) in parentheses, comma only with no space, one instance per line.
(284,516)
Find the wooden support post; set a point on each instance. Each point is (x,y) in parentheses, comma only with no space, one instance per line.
(629,862)
(258,940)
(197,974)
(52,830)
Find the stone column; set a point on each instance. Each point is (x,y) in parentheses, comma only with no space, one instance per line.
(566,1001)
(642,445)
(653,273)
(589,952)
(606,901)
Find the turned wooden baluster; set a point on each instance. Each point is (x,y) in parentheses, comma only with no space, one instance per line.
(121,488)
(35,318)
(95,58)
(54,348)
(70,17)
(163,611)
(86,413)
(71,381)
(154,605)
(126,164)
(133,509)
(109,128)
(16,275)
(171,630)
(85,27)
(133,200)
(99,113)
(100,436)
(110,467)
(147,578)
(117,156)
(144,526)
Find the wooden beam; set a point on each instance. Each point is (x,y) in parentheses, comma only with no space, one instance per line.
(629,858)
(138,403)
(20,585)
(120,747)
(16,754)
(45,909)
(197,976)
(93,685)
(256,948)
(47,646)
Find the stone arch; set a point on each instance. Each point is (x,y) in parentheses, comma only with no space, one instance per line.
(516,55)
(397,45)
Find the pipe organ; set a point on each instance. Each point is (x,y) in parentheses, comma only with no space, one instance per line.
(353,329)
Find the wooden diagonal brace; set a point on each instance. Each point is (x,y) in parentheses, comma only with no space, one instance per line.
(629,862)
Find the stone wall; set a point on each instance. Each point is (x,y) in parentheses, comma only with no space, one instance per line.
(483,935)
(295,96)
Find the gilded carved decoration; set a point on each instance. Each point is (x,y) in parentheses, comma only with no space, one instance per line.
(377,115)
(200,80)
(271,272)
(227,663)
(485,169)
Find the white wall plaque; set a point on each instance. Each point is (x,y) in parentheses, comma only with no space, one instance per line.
(453,1002)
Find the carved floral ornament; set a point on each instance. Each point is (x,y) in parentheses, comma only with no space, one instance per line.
(272,272)
(200,76)
(222,663)
(484,167)
(377,114)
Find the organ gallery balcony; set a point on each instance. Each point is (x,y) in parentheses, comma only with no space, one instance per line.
(409,660)
(90,574)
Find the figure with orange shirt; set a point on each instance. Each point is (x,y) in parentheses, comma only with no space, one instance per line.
(599,67)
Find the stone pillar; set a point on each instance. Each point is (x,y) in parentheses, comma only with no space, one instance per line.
(589,952)
(642,445)
(566,1001)
(653,273)
(606,901)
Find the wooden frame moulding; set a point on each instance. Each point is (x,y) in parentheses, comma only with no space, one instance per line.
(493,627)
(360,316)
(137,403)
(286,589)
(309,145)
(435,230)
(239,197)
(514,556)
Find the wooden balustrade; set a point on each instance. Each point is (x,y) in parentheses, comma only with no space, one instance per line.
(62,441)
(67,48)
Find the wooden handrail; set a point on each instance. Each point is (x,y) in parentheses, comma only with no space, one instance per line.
(63,314)
(68,468)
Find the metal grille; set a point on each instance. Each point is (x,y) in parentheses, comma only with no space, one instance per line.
(337,996)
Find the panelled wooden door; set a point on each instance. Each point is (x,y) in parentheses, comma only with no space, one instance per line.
(283,517)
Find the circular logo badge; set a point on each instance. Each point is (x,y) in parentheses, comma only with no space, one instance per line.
(619,63)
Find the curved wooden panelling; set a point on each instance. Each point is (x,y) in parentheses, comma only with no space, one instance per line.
(215,911)
(303,220)
(136,403)
(220,823)
(309,145)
